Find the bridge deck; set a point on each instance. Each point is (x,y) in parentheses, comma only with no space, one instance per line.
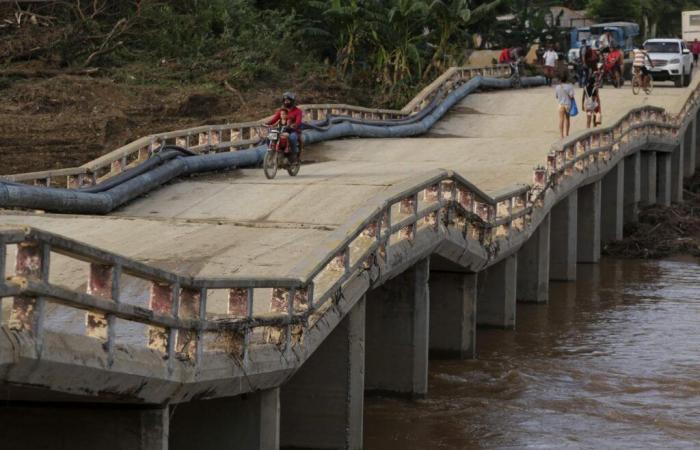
(240,223)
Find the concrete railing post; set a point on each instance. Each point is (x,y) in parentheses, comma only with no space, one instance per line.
(588,230)
(322,404)
(250,421)
(632,195)
(533,265)
(611,204)
(563,240)
(397,333)
(453,314)
(496,292)
(648,179)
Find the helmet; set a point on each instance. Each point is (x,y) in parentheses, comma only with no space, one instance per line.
(290,96)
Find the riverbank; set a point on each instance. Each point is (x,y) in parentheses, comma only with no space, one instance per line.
(52,118)
(664,231)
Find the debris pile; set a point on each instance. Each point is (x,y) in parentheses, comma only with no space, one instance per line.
(664,231)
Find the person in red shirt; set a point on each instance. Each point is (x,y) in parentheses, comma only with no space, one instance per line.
(695,50)
(504,57)
(294,115)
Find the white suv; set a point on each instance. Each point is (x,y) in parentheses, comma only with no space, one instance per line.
(672,60)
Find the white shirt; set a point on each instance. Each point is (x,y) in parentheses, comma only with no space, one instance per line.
(564,94)
(550,58)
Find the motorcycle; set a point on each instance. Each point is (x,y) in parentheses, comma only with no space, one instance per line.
(279,154)
(606,73)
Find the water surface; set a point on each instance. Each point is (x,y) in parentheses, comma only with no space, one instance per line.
(612,362)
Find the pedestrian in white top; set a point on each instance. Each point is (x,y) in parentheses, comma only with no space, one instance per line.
(550,62)
(564,94)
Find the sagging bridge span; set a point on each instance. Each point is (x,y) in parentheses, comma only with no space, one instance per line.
(226,311)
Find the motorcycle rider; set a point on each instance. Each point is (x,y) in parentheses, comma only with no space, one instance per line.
(614,64)
(294,115)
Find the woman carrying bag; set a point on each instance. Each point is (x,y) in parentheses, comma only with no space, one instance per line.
(564,93)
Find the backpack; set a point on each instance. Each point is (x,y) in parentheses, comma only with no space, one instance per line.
(591,55)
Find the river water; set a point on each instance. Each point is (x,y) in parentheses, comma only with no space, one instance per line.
(613,361)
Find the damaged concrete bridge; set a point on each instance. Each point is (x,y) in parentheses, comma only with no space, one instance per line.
(223,310)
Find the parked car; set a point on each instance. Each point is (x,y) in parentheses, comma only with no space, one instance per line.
(672,60)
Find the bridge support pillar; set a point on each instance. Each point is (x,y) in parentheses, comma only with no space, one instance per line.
(691,153)
(633,178)
(453,314)
(611,204)
(82,426)
(322,404)
(533,266)
(496,294)
(563,244)
(588,230)
(648,179)
(397,333)
(663,178)
(246,421)
(677,172)
(696,147)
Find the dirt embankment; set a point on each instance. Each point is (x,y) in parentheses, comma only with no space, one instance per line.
(662,231)
(52,118)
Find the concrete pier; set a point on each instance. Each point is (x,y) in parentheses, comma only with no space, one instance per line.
(612,204)
(663,178)
(588,225)
(697,142)
(397,332)
(691,154)
(83,426)
(563,240)
(322,404)
(632,195)
(648,179)
(533,266)
(496,291)
(453,314)
(249,421)
(677,171)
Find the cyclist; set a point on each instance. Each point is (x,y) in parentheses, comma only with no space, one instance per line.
(640,58)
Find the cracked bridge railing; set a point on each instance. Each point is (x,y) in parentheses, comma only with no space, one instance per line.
(185,317)
(238,136)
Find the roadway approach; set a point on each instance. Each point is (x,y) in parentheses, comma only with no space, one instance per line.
(239,224)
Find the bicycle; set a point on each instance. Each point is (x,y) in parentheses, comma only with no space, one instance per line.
(638,82)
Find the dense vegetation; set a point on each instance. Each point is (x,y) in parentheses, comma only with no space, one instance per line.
(387,46)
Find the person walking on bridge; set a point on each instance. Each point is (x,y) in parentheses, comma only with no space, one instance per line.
(564,93)
(550,63)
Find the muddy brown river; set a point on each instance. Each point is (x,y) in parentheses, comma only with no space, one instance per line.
(612,362)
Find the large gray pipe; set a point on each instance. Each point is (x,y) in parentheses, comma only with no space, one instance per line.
(119,190)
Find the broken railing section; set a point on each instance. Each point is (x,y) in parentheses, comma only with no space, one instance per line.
(599,146)
(238,136)
(178,322)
